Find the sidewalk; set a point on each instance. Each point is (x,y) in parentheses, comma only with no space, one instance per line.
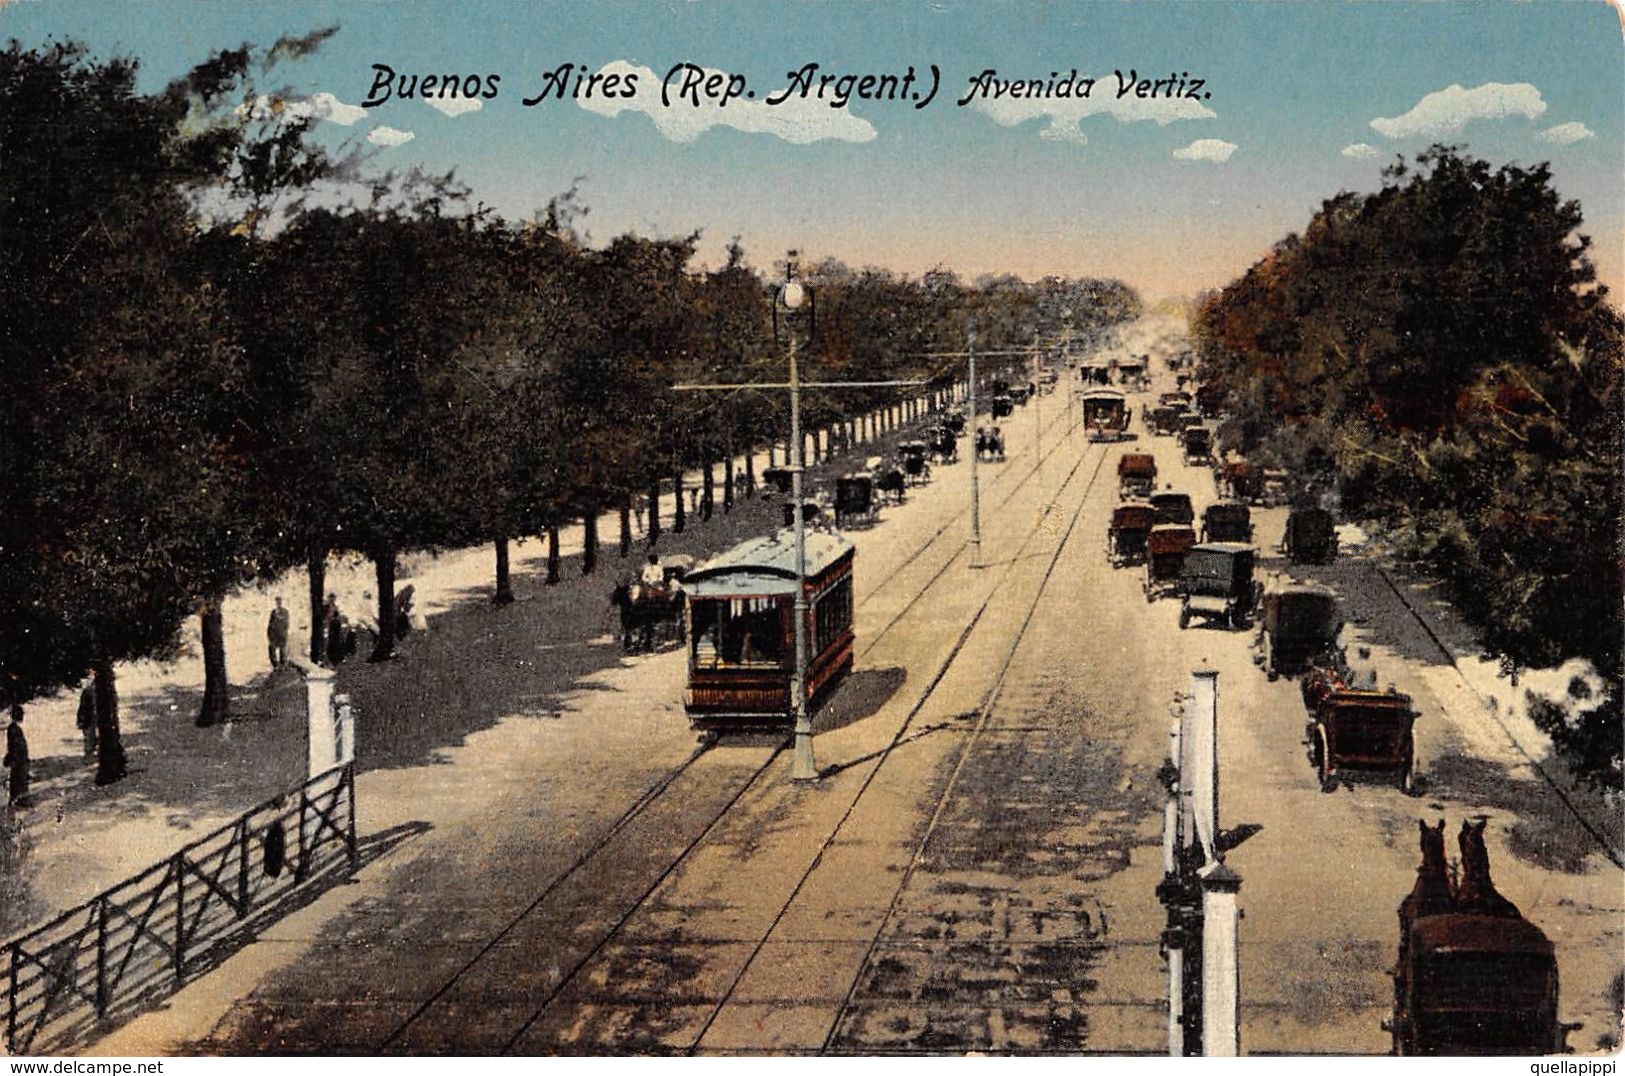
(76,839)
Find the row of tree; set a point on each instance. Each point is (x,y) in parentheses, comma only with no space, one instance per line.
(1439,354)
(232,351)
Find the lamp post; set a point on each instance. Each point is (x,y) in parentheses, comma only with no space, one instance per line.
(802,766)
(975,490)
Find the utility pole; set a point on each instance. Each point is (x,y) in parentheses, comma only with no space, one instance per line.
(975,490)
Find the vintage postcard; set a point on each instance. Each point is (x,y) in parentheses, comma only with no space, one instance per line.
(730,528)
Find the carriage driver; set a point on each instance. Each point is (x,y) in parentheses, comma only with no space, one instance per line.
(653,574)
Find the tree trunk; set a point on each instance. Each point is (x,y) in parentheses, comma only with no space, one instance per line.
(111,763)
(216,687)
(626,525)
(708,492)
(316,566)
(678,517)
(589,541)
(552,554)
(654,511)
(750,473)
(504,590)
(384,562)
(728,481)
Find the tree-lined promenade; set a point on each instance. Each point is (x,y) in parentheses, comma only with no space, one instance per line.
(232,351)
(1438,354)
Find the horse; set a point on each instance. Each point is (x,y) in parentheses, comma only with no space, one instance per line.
(1433,894)
(1476,893)
(642,611)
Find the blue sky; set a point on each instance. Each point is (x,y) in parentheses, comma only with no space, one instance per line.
(1170,195)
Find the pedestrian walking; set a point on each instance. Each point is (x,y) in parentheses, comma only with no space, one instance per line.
(276,635)
(86,719)
(16,758)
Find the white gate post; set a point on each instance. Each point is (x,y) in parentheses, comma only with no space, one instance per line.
(320,745)
(1221,972)
(344,730)
(1204,774)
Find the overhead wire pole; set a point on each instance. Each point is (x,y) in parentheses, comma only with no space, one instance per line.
(969,354)
(792,294)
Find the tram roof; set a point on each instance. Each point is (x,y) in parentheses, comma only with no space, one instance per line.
(765,566)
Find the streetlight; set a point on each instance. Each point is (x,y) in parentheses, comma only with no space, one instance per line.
(802,766)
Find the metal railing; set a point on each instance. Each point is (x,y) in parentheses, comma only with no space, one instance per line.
(142,939)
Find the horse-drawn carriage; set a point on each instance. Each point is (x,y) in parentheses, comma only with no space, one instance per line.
(1131,373)
(777,477)
(990,444)
(1095,372)
(944,444)
(913,455)
(1299,627)
(1002,405)
(1310,536)
(1209,399)
(1105,414)
(811,512)
(1227,521)
(1173,507)
(1127,533)
(1136,475)
(1165,548)
(1236,480)
(855,498)
(1197,442)
(955,421)
(1474,977)
(1166,420)
(652,614)
(1019,394)
(742,629)
(1216,583)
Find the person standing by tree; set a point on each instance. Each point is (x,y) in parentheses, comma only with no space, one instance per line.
(86,719)
(16,759)
(276,634)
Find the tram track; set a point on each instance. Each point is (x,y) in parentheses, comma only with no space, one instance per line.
(984,709)
(662,787)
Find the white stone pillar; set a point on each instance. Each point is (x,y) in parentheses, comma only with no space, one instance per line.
(1204,773)
(320,743)
(344,719)
(1221,972)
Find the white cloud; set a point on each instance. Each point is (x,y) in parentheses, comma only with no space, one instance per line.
(454,106)
(1206,149)
(1065,114)
(1565,133)
(1445,112)
(1359,149)
(319,106)
(798,120)
(389,136)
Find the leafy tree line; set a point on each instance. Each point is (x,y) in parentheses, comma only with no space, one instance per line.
(1439,353)
(214,377)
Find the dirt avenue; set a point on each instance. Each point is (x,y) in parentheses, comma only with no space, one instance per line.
(888,586)
(976,867)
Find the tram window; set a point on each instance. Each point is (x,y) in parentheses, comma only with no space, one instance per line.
(832,615)
(744,632)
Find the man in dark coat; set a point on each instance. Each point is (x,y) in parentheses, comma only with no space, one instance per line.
(276,635)
(86,719)
(16,760)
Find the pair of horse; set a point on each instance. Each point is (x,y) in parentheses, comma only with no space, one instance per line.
(989,444)
(645,613)
(1439,892)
